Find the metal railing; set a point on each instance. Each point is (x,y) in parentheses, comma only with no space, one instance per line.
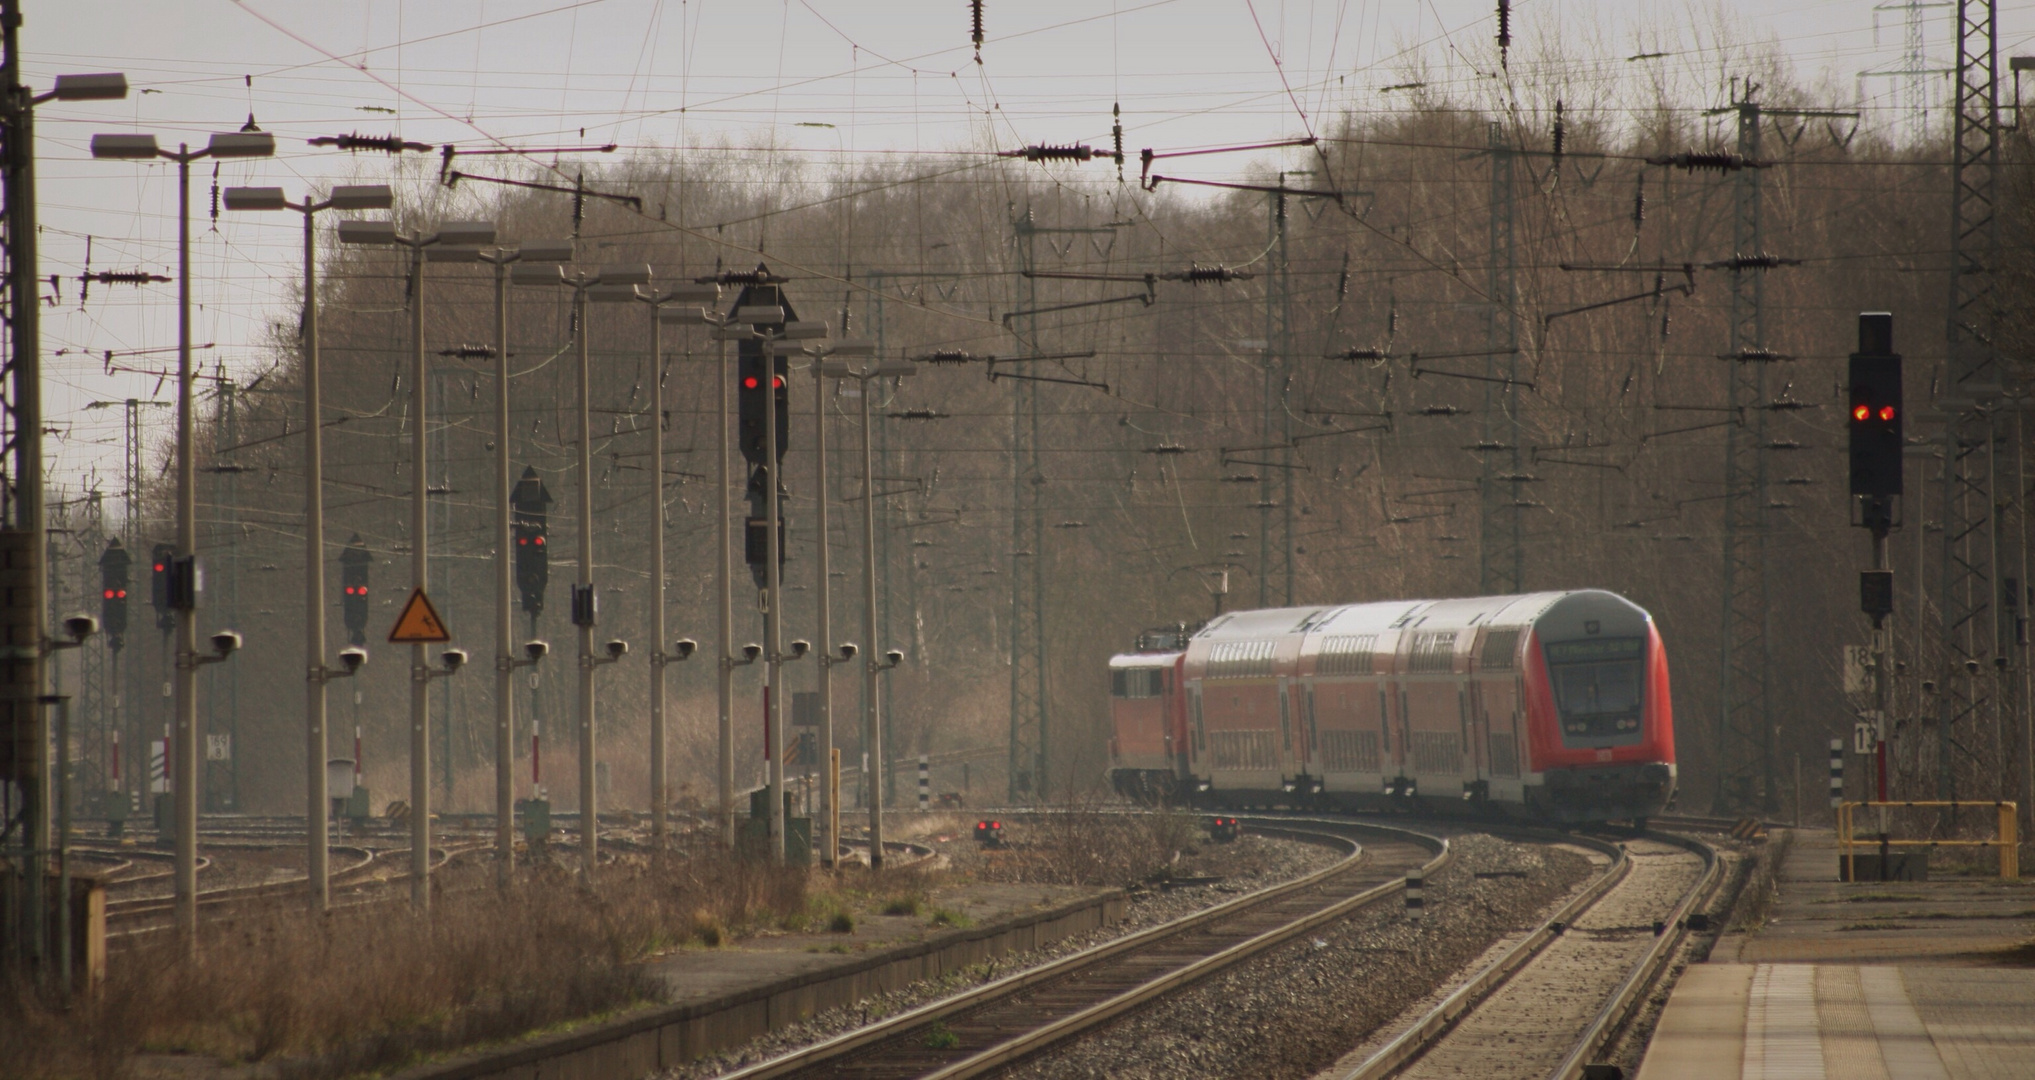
(2005,837)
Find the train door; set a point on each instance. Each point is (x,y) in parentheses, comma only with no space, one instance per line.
(1289,758)
(1393,760)
(1310,761)
(1476,762)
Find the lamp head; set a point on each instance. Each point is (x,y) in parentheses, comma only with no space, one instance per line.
(111,86)
(255,198)
(610,293)
(80,627)
(466,233)
(692,293)
(617,649)
(750,652)
(241,144)
(753,314)
(684,648)
(536,650)
(453,659)
(852,347)
(893,657)
(805,330)
(354,657)
(545,251)
(682,316)
(625,274)
(534,274)
(367,232)
(225,643)
(127,147)
(848,650)
(800,648)
(361,197)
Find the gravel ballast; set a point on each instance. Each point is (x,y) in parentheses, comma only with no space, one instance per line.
(1252,863)
(1299,1008)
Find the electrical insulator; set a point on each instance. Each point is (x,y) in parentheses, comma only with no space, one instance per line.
(1116,137)
(528,523)
(1047,152)
(113,583)
(354,562)
(1504,29)
(944,356)
(975,27)
(387,144)
(1560,134)
(1639,203)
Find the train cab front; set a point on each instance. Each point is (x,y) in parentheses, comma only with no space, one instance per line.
(1603,718)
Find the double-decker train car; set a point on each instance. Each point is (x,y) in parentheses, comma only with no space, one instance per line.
(1546,706)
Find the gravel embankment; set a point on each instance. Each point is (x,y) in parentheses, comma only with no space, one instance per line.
(1298,1008)
(1252,863)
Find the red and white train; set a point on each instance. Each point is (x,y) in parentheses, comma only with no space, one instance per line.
(1548,706)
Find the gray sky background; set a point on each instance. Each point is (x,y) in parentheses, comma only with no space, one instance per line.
(892,78)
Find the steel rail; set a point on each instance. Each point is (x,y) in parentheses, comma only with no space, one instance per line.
(1080,1023)
(1606,1024)
(822,1054)
(1437,1022)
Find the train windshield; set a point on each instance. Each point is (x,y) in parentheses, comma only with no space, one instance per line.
(1136,682)
(1598,688)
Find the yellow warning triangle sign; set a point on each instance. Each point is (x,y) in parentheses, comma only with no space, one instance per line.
(419,624)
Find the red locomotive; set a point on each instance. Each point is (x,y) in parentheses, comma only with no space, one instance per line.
(1547,706)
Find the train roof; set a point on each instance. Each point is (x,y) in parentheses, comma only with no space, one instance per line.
(1455,614)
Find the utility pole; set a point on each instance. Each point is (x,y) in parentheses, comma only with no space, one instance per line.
(1275,496)
(24,733)
(1501,552)
(316,673)
(1980,641)
(185,575)
(1030,708)
(1745,735)
(460,235)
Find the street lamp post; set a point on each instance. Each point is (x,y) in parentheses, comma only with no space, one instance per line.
(316,672)
(872,667)
(618,283)
(830,816)
(725,330)
(184,598)
(506,663)
(692,294)
(27,522)
(463,237)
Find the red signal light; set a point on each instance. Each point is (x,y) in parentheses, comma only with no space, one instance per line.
(749,382)
(158,568)
(1886,412)
(777,382)
(540,541)
(1861,412)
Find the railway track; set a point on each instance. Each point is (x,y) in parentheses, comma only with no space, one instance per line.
(999,1023)
(1549,1004)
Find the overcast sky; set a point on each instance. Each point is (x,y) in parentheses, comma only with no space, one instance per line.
(822,79)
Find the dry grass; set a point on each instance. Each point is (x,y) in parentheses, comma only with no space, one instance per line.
(372,990)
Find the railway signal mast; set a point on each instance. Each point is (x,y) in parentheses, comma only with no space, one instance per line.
(1874,423)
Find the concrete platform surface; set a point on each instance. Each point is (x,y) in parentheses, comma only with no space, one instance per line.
(1876,981)
(1844,1021)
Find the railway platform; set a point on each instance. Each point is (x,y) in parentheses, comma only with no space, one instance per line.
(1905,980)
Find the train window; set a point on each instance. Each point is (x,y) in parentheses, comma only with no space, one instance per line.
(1500,647)
(1598,687)
(1433,651)
(1285,722)
(1200,735)
(1135,682)
(1345,654)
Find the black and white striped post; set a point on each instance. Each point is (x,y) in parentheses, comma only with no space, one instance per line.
(925,783)
(1836,771)
(1414,902)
